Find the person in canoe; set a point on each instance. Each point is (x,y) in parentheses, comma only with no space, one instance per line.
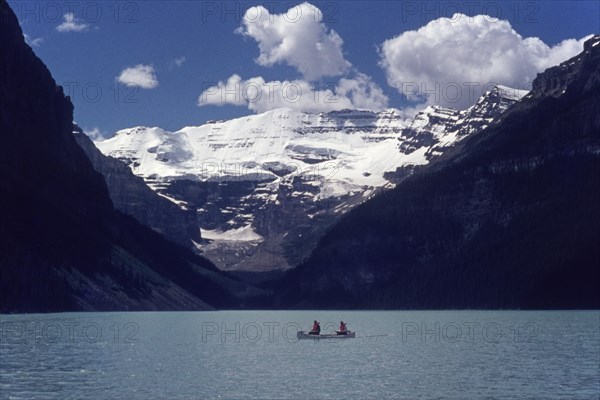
(316,329)
(343,330)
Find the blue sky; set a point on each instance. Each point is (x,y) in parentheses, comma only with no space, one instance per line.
(171,55)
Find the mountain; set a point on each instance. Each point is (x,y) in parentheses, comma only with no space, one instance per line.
(62,244)
(130,195)
(444,127)
(266,187)
(508,218)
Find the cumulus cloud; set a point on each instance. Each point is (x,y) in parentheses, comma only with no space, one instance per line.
(33,42)
(298,38)
(362,92)
(260,96)
(72,24)
(451,61)
(142,76)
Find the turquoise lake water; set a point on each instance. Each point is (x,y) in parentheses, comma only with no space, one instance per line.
(255,355)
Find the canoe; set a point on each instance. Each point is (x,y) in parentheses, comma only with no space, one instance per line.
(305,335)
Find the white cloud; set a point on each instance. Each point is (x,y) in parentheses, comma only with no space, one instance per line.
(178,62)
(72,24)
(260,96)
(33,42)
(142,76)
(298,38)
(451,61)
(362,92)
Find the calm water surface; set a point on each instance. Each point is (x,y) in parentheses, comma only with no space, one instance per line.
(255,355)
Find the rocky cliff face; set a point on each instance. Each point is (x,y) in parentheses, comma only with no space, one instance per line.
(267,186)
(556,80)
(509,218)
(130,195)
(440,128)
(62,244)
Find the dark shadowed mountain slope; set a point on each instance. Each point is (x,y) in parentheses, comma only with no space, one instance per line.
(509,219)
(62,245)
(131,195)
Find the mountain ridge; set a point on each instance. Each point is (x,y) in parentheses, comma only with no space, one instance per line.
(130,195)
(507,219)
(63,246)
(248,176)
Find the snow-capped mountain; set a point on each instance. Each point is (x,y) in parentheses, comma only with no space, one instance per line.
(130,195)
(267,147)
(508,218)
(442,127)
(266,186)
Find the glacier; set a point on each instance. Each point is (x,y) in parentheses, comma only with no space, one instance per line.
(266,186)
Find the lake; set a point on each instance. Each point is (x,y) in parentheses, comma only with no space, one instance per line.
(255,355)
